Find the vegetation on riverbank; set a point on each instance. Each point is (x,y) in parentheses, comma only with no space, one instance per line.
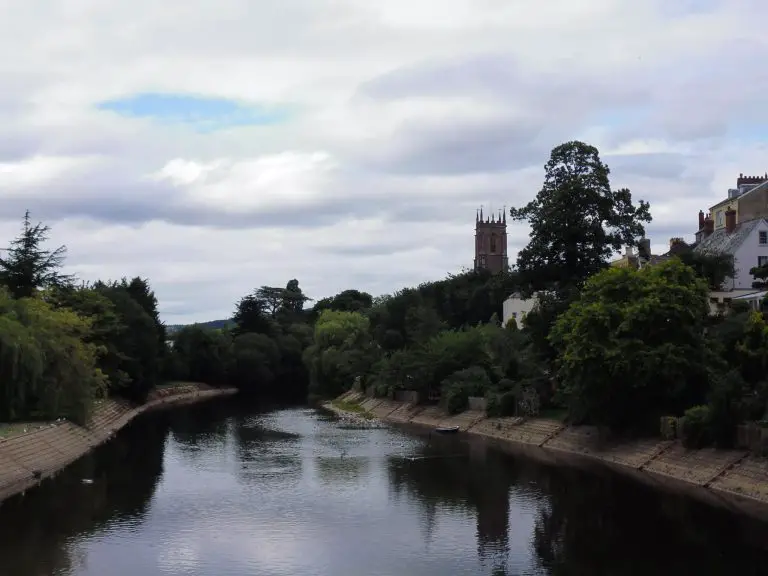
(608,346)
(613,347)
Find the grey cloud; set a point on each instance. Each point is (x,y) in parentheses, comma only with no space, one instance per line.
(464,147)
(498,75)
(655,165)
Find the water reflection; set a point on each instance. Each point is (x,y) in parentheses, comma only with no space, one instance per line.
(37,530)
(221,490)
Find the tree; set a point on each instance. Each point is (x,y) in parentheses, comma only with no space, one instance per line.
(632,347)
(761,276)
(28,267)
(715,269)
(47,369)
(272,297)
(294,298)
(346,301)
(343,350)
(251,316)
(577,221)
(138,343)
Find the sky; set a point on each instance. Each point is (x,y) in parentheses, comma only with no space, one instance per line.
(217,146)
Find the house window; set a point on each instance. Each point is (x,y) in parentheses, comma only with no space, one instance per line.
(514,314)
(762,260)
(763,237)
(719,217)
(482,260)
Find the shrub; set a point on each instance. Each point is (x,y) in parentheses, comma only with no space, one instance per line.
(456,398)
(501,403)
(697,427)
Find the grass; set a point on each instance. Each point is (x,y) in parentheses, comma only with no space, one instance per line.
(16,428)
(353,408)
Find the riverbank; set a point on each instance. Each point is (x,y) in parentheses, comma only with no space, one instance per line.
(30,455)
(727,478)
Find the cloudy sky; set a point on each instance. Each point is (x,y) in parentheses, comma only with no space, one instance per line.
(218,145)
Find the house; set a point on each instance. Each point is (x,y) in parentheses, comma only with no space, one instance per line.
(749,201)
(516,308)
(746,242)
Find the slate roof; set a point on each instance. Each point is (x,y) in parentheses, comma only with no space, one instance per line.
(719,242)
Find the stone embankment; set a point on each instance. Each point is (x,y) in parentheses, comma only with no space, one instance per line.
(28,457)
(731,478)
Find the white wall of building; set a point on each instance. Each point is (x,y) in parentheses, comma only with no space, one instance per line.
(747,257)
(516,308)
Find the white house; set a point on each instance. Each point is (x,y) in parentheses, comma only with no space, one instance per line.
(747,242)
(515,308)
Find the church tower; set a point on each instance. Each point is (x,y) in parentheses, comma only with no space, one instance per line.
(491,242)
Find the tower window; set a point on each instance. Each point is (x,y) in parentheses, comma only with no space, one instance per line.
(493,243)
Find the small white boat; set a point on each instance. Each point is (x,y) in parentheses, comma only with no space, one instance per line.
(447,429)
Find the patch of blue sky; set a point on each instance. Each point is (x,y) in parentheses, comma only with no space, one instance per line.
(616,117)
(749,131)
(202,113)
(683,8)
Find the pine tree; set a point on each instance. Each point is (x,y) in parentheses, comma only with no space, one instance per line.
(28,267)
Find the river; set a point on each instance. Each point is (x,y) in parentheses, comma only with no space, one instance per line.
(220,490)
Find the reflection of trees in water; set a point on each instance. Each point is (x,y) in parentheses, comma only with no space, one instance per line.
(452,474)
(605,524)
(335,470)
(201,424)
(266,454)
(587,523)
(36,530)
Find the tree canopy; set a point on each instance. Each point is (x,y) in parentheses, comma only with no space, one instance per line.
(577,221)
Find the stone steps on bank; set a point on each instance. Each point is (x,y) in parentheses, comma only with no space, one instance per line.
(698,467)
(747,478)
(533,431)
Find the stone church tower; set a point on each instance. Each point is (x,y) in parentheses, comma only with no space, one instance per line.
(491,242)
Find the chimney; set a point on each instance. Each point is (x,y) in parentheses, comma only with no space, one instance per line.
(709,225)
(701,219)
(730,220)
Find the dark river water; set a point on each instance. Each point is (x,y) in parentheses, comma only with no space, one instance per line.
(217,490)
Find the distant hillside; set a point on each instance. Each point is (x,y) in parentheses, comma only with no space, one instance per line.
(214,324)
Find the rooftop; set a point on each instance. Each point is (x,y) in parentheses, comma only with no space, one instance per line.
(720,242)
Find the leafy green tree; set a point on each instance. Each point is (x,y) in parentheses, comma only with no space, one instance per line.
(107,329)
(47,369)
(577,221)
(633,346)
(28,267)
(715,269)
(202,355)
(293,300)
(251,316)
(346,301)
(342,351)
(760,274)
(256,358)
(138,343)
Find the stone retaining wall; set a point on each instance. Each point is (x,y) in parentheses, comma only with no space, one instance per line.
(730,478)
(26,459)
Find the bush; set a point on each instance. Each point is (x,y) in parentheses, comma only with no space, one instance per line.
(697,427)
(460,385)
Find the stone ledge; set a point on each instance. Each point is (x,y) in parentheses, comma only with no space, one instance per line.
(28,458)
(720,477)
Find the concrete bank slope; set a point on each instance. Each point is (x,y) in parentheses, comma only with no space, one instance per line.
(728,478)
(28,458)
